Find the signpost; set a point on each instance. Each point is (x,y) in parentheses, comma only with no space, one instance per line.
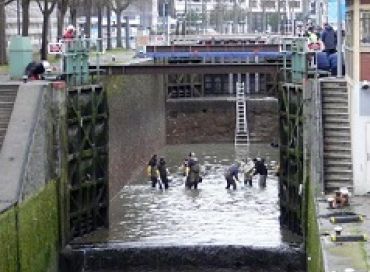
(55,48)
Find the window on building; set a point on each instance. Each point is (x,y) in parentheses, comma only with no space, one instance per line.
(295,4)
(365,27)
(349,29)
(253,4)
(268,4)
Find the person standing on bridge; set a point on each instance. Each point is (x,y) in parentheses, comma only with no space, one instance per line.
(153,172)
(231,174)
(163,172)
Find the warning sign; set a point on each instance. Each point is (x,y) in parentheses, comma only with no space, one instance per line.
(55,48)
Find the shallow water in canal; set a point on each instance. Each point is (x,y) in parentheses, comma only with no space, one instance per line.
(211,215)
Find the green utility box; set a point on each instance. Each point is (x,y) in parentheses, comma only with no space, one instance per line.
(20,55)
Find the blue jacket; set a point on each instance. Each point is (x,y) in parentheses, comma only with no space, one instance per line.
(329,38)
(233,171)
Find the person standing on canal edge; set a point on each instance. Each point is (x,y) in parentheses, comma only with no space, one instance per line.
(163,172)
(153,172)
(329,38)
(231,175)
(193,174)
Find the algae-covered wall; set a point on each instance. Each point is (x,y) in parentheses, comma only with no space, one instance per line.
(313,244)
(29,235)
(136,124)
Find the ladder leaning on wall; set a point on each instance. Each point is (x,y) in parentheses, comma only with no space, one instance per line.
(241,128)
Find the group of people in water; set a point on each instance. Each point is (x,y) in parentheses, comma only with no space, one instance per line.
(158,172)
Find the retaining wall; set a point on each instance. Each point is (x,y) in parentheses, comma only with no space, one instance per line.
(213,121)
(136,125)
(29,226)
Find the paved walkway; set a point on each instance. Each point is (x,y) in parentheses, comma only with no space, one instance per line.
(339,256)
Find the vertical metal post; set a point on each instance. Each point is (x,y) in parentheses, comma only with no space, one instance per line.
(18,19)
(339,39)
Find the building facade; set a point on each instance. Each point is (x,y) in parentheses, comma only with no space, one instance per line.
(357,59)
(239,16)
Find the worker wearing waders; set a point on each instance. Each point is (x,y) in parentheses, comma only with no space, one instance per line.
(163,172)
(261,169)
(153,172)
(231,174)
(193,174)
(248,170)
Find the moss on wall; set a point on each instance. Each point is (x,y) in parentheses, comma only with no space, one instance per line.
(313,246)
(37,232)
(8,241)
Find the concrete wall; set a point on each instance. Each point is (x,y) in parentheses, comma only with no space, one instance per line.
(136,125)
(212,121)
(28,198)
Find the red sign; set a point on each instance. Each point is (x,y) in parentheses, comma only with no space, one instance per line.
(55,48)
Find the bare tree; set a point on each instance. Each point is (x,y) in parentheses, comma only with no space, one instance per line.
(25,16)
(119,6)
(87,9)
(73,5)
(46,7)
(3,41)
(109,28)
(62,7)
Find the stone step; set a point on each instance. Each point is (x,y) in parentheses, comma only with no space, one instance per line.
(330,148)
(335,119)
(331,112)
(344,163)
(338,177)
(332,186)
(337,168)
(333,85)
(334,93)
(339,134)
(337,155)
(334,126)
(4,125)
(335,100)
(337,140)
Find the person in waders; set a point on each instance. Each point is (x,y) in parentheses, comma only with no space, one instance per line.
(231,174)
(248,170)
(163,172)
(153,172)
(193,174)
(261,170)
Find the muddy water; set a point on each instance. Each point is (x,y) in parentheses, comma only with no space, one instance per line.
(209,229)
(211,215)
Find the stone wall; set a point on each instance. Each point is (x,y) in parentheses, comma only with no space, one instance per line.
(213,121)
(136,125)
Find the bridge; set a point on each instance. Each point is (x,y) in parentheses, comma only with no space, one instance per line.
(67,133)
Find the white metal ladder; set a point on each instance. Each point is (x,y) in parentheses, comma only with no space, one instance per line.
(241,128)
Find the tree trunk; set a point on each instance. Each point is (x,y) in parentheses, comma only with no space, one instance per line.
(62,10)
(25,17)
(119,29)
(100,27)
(44,43)
(88,7)
(73,14)
(109,29)
(127,32)
(3,42)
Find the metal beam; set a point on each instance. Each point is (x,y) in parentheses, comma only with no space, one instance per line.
(215,48)
(191,68)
